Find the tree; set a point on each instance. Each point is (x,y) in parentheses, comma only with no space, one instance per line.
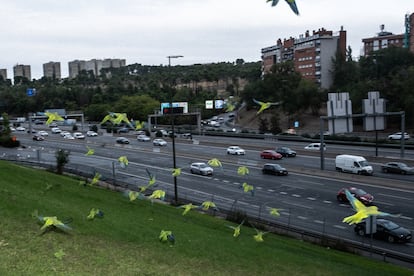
(62,158)
(263,125)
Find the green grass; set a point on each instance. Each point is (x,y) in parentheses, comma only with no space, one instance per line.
(125,241)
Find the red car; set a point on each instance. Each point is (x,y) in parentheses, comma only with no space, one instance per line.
(270,154)
(359,194)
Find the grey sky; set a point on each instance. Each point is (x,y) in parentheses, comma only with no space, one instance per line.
(147,31)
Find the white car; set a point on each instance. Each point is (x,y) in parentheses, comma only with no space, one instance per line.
(143,138)
(56,130)
(91,133)
(69,137)
(315,146)
(78,135)
(398,136)
(43,133)
(159,142)
(64,133)
(201,168)
(20,128)
(236,150)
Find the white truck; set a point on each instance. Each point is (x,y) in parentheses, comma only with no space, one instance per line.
(353,164)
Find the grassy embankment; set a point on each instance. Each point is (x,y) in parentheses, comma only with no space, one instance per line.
(125,241)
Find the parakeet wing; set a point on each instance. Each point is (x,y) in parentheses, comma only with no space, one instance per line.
(356,204)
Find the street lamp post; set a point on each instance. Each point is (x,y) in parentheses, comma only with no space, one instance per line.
(172,127)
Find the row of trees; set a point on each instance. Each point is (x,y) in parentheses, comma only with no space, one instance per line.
(138,90)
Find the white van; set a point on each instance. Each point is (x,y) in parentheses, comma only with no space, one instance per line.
(353,164)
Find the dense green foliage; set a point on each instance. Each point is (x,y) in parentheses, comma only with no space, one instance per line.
(389,71)
(139,89)
(126,240)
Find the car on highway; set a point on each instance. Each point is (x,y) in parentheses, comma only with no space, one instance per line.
(236,150)
(358,193)
(78,135)
(56,130)
(68,136)
(63,133)
(20,128)
(123,130)
(53,124)
(398,136)
(386,230)
(201,168)
(38,137)
(270,154)
(159,142)
(286,152)
(143,138)
(397,167)
(315,146)
(122,140)
(43,133)
(91,133)
(274,169)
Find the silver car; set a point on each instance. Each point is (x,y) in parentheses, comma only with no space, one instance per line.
(201,168)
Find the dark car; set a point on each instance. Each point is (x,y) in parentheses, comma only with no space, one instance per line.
(123,130)
(122,140)
(286,152)
(359,194)
(397,167)
(270,154)
(275,169)
(386,230)
(38,137)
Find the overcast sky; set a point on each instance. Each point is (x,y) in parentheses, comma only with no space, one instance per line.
(203,31)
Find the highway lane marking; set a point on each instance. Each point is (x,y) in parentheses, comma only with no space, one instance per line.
(404,217)
(226,181)
(311,182)
(283,193)
(398,197)
(319,221)
(311,198)
(384,203)
(340,226)
(296,195)
(327,201)
(303,218)
(270,190)
(298,205)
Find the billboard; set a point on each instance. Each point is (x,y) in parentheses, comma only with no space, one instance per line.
(176,108)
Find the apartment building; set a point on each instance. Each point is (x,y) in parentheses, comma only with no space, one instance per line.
(311,54)
(385,39)
(94,65)
(3,73)
(52,70)
(20,70)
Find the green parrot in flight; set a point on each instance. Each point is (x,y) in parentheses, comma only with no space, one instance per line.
(361,210)
(247,188)
(93,213)
(166,235)
(242,170)
(157,194)
(207,205)
(50,223)
(214,162)
(187,208)
(53,117)
(264,105)
(90,151)
(291,3)
(274,212)
(236,229)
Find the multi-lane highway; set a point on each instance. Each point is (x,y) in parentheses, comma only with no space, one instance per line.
(307,196)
